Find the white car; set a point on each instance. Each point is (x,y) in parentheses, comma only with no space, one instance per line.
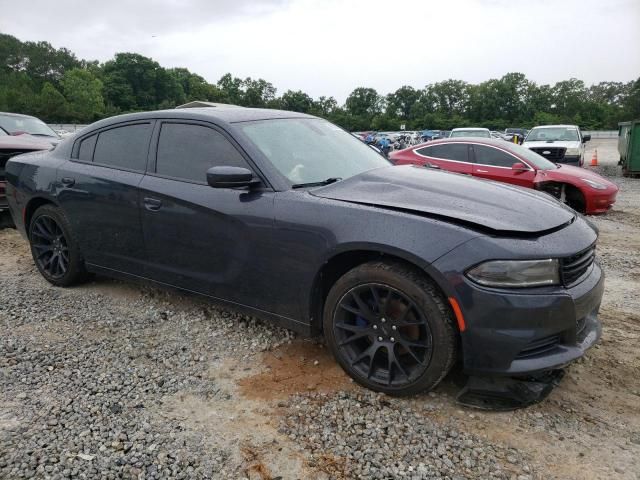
(558,143)
(470,132)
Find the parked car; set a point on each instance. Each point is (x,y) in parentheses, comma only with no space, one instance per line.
(519,133)
(18,124)
(286,216)
(558,143)
(502,136)
(9,147)
(470,132)
(581,189)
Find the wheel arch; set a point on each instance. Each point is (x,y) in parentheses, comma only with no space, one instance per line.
(340,262)
(572,193)
(32,205)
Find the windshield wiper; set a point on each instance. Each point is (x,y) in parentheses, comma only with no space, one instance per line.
(317,184)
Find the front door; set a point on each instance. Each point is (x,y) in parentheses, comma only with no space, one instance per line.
(204,239)
(496,164)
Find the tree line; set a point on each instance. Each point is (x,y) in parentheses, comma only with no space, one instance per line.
(53,84)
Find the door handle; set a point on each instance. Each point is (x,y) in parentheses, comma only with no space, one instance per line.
(68,181)
(152,204)
(482,171)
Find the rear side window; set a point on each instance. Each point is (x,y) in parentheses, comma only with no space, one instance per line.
(493,156)
(123,147)
(187,151)
(449,151)
(85,152)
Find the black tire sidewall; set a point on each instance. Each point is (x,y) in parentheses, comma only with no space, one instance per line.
(76,271)
(426,297)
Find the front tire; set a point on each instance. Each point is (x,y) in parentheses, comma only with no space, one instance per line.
(390,329)
(54,248)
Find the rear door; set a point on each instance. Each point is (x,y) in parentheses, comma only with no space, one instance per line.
(208,240)
(493,163)
(99,194)
(453,157)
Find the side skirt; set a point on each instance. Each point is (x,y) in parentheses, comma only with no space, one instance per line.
(284,322)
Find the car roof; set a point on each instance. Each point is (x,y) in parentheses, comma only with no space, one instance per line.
(496,142)
(9,114)
(470,128)
(219,114)
(556,126)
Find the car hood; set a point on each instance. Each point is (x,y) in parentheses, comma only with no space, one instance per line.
(556,143)
(573,175)
(23,142)
(479,204)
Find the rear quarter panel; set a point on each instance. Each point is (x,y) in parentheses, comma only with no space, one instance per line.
(29,176)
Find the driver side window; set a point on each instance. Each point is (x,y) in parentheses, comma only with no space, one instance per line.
(187,151)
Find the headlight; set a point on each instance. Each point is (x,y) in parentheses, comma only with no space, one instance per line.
(594,184)
(572,151)
(516,273)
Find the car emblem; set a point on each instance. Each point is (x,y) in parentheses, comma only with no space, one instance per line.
(546,152)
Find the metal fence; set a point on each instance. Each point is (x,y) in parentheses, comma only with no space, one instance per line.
(601,133)
(68,127)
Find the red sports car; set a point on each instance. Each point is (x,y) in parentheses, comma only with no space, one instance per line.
(580,188)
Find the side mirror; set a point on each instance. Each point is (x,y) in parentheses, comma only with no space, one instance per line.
(229,177)
(519,167)
(586,138)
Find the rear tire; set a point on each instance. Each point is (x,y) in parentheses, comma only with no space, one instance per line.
(390,329)
(54,248)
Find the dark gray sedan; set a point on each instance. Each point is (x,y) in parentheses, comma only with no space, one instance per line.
(403,269)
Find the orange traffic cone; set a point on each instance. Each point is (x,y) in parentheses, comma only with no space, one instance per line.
(594,159)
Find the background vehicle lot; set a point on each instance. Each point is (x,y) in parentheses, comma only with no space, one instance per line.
(115,378)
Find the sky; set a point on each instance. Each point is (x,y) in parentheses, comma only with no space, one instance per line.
(330,47)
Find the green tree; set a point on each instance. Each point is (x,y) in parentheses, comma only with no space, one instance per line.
(135,82)
(324,107)
(297,101)
(257,93)
(52,106)
(83,91)
(450,97)
(401,102)
(364,102)
(231,88)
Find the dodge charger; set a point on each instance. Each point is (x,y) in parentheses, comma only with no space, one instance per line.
(405,270)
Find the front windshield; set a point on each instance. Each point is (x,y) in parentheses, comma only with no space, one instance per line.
(470,133)
(538,161)
(3,133)
(567,134)
(29,125)
(307,150)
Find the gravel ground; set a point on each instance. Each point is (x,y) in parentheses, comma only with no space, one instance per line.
(117,380)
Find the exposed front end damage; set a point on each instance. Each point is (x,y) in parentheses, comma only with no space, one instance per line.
(565,193)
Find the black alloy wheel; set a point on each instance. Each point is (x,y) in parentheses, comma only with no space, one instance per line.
(390,328)
(54,248)
(383,334)
(51,247)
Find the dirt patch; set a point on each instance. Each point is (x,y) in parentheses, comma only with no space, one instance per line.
(301,366)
